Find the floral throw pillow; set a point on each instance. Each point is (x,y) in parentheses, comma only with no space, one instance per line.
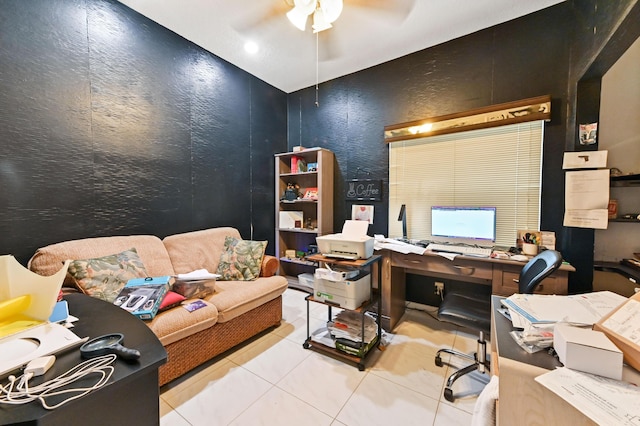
(241,259)
(104,277)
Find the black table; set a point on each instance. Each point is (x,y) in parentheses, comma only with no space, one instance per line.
(132,394)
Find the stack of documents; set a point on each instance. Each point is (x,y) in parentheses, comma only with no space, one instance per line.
(348,325)
(381,243)
(526,310)
(605,401)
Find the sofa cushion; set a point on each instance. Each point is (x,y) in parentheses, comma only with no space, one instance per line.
(177,323)
(190,251)
(234,298)
(47,260)
(241,260)
(104,277)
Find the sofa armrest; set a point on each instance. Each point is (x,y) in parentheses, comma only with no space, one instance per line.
(270,265)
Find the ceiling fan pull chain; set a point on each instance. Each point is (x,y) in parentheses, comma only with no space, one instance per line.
(317,73)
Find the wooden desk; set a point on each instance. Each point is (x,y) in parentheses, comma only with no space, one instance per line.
(522,400)
(499,274)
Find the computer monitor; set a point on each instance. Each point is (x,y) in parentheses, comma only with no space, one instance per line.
(464,223)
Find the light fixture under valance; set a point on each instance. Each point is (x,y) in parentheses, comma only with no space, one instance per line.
(324,12)
(531,109)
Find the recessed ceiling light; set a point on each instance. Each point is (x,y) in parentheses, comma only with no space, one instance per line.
(251,47)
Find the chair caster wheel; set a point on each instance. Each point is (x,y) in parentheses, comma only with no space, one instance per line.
(448,394)
(305,345)
(439,361)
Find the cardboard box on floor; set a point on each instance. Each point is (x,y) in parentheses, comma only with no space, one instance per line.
(621,327)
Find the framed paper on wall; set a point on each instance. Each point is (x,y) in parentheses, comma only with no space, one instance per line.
(361,212)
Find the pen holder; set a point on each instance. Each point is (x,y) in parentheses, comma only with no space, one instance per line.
(529,249)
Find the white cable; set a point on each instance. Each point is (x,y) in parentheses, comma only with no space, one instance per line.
(21,393)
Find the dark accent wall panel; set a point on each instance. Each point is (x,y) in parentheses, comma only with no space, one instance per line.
(534,55)
(111,125)
(140,121)
(46,159)
(268,112)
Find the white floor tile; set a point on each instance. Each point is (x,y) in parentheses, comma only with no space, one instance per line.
(323,382)
(450,416)
(225,396)
(277,408)
(380,402)
(169,417)
(412,365)
(272,380)
(270,358)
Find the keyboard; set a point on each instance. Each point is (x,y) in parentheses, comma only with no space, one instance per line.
(460,249)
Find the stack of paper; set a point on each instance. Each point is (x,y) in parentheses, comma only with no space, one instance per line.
(198,274)
(580,309)
(605,401)
(348,325)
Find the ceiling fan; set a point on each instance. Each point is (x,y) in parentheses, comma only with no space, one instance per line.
(324,13)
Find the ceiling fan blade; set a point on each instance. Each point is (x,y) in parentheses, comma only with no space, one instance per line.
(395,9)
(254,19)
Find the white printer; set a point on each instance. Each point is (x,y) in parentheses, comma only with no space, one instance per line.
(349,293)
(352,243)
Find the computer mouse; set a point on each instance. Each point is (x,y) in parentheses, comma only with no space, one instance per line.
(519,257)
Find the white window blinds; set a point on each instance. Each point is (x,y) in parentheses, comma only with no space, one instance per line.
(496,167)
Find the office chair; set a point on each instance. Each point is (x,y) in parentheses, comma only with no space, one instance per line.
(474,312)
(537,269)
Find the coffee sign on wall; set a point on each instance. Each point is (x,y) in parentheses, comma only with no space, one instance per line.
(364,189)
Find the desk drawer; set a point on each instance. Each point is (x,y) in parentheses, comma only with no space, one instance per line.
(433,264)
(506,283)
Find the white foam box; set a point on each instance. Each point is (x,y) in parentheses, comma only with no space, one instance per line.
(306,279)
(587,350)
(348,294)
(291,219)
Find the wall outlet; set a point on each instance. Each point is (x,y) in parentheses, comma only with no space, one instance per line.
(439,288)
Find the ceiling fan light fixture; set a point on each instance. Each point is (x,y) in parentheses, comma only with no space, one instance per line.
(320,22)
(298,18)
(331,9)
(306,6)
(324,13)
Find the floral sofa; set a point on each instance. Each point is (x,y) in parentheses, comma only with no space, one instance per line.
(239,308)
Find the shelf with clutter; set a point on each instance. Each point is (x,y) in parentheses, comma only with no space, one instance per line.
(304,205)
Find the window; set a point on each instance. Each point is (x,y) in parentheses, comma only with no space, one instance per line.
(496,167)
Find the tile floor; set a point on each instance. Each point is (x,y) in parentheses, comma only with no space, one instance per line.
(272,380)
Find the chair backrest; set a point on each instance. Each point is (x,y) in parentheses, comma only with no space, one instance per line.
(537,269)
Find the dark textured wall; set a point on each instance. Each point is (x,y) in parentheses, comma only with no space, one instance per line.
(111,124)
(538,54)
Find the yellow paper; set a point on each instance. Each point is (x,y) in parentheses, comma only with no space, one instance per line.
(13,307)
(16,324)
(26,298)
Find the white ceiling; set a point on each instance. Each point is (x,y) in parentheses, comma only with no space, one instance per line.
(368,33)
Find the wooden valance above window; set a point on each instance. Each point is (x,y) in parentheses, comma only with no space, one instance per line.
(531,109)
